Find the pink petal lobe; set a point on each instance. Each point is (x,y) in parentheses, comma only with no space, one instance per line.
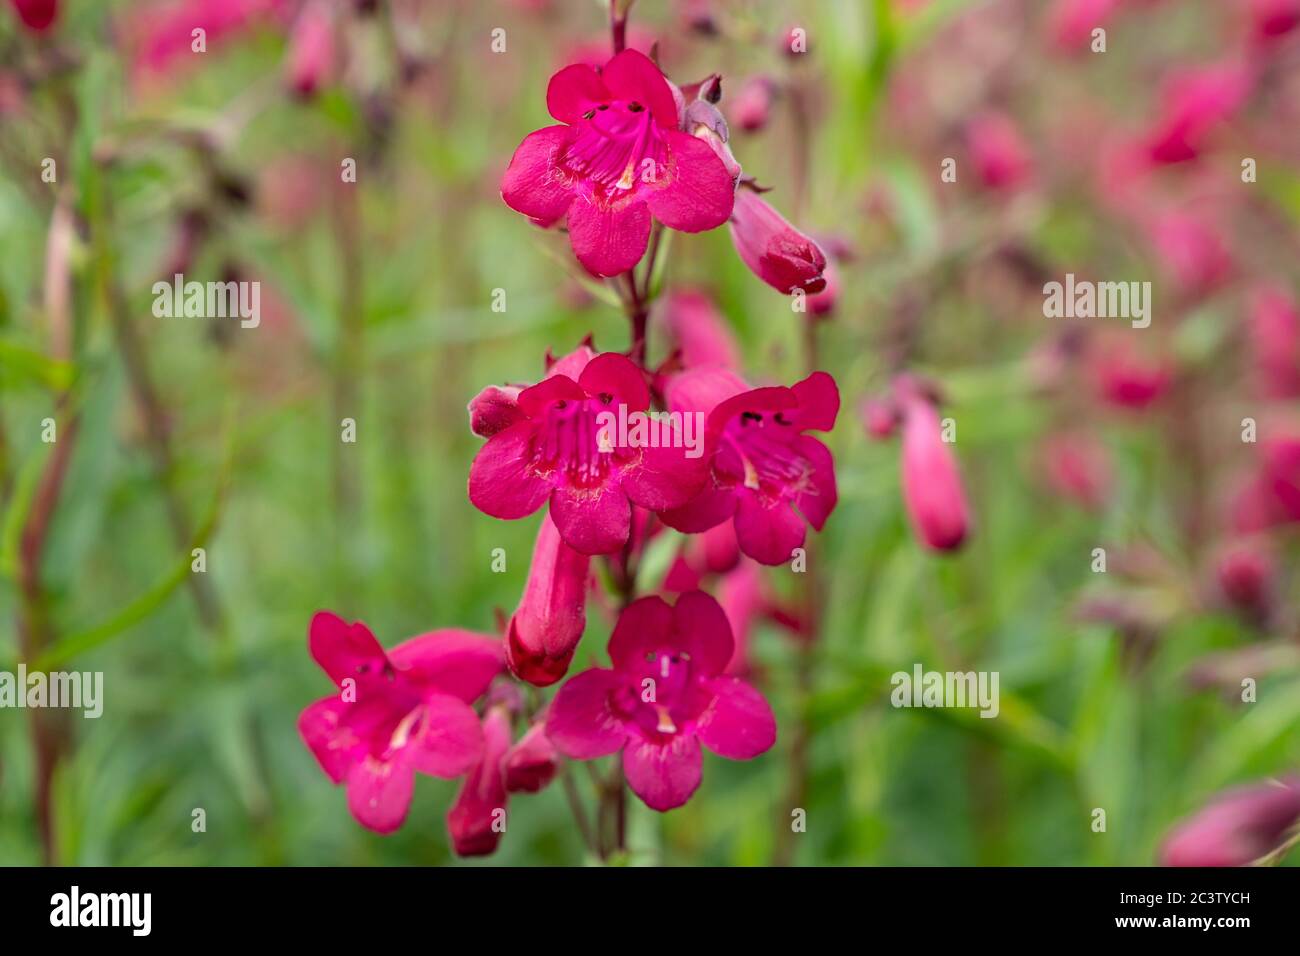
(448,739)
(702,627)
(459,663)
(631,75)
(500,483)
(768,531)
(615,375)
(574,91)
(609,241)
(342,649)
(819,401)
(321,726)
(642,628)
(580,721)
(379,792)
(699,192)
(663,774)
(817,503)
(592,520)
(532,184)
(706,510)
(739,724)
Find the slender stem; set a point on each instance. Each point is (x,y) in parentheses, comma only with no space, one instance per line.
(348,362)
(617,27)
(579,812)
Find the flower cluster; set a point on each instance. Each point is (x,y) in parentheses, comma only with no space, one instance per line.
(632,154)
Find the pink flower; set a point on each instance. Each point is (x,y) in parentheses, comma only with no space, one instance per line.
(1191,250)
(1245,572)
(752,104)
(744,600)
(1071,22)
(699,330)
(163,32)
(619,158)
(821,305)
(1274,327)
(311,49)
(1272,495)
(1193,104)
(545,630)
(932,485)
(1128,378)
(397,713)
(1238,828)
(1274,18)
(552,452)
(762,465)
(774,250)
(715,551)
(1077,467)
(477,818)
(665,696)
(36,15)
(998,151)
(880,417)
(531,763)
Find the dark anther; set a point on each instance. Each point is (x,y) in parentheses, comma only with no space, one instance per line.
(606,398)
(782,420)
(750,417)
(603,106)
(634,107)
(589,114)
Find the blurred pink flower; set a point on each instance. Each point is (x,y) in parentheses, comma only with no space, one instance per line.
(476,819)
(774,250)
(1271,496)
(1271,19)
(162,33)
(1077,466)
(1274,327)
(618,159)
(998,151)
(397,714)
(1237,828)
(762,464)
(821,305)
(545,630)
(36,15)
(552,452)
(665,696)
(1071,22)
(699,330)
(311,49)
(1191,250)
(931,478)
(1194,102)
(879,417)
(1126,377)
(532,762)
(751,106)
(1245,572)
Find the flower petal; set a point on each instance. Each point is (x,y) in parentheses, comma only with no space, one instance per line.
(644,627)
(500,483)
(631,75)
(702,628)
(768,532)
(592,520)
(615,375)
(663,774)
(335,747)
(817,502)
(708,509)
(697,194)
(342,649)
(448,740)
(450,661)
(536,399)
(482,799)
(739,724)
(573,91)
(609,241)
(819,401)
(379,792)
(532,184)
(666,476)
(580,722)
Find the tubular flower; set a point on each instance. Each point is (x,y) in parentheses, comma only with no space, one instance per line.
(665,696)
(618,159)
(545,630)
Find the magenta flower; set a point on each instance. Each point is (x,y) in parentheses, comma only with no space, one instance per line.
(998,151)
(1071,22)
(774,250)
(1129,378)
(1194,104)
(932,485)
(619,159)
(1238,828)
(477,818)
(1271,19)
(665,696)
(396,713)
(311,49)
(558,450)
(752,105)
(1274,327)
(545,630)
(762,464)
(699,330)
(1244,573)
(36,15)
(532,762)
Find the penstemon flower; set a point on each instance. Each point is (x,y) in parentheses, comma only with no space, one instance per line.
(552,452)
(619,159)
(664,697)
(762,464)
(397,713)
